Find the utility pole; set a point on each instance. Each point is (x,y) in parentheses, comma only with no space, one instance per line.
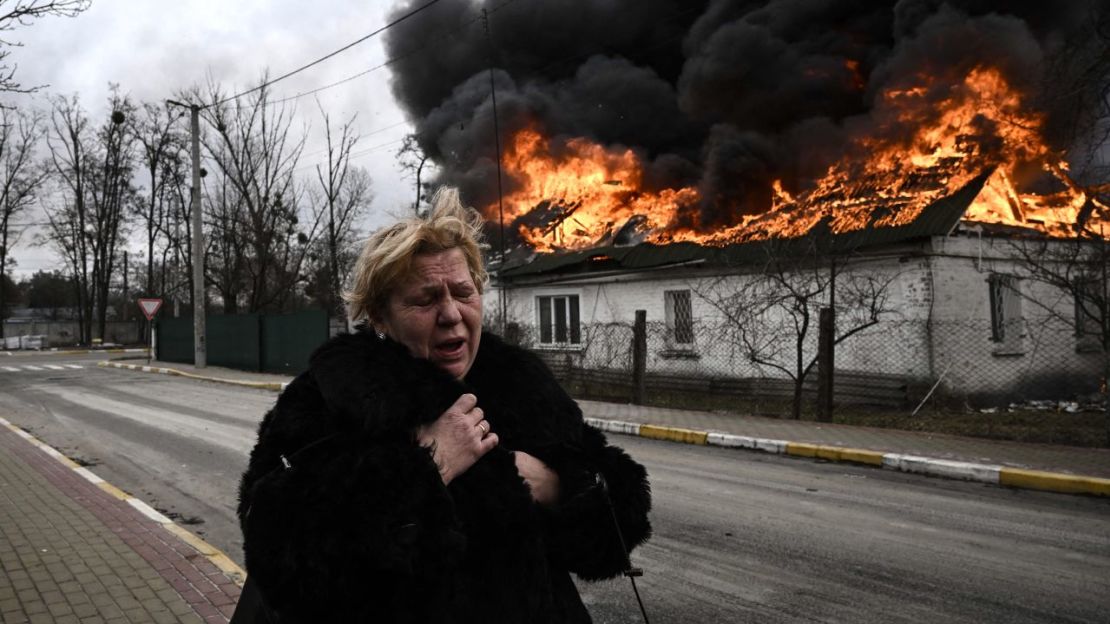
(176,263)
(501,294)
(126,268)
(200,346)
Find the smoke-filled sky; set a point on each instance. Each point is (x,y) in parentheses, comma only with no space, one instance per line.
(724,95)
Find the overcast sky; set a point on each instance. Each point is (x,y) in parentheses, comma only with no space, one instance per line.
(153,48)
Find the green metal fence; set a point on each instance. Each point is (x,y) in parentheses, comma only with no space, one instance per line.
(233,341)
(288,339)
(174,339)
(274,343)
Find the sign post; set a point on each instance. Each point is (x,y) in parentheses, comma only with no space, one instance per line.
(150,307)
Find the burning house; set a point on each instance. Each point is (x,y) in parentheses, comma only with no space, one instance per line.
(930,171)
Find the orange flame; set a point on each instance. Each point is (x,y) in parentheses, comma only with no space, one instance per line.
(586,192)
(929,141)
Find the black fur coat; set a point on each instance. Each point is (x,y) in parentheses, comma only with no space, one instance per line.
(345,517)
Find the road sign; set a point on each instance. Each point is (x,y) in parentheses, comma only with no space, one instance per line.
(150,307)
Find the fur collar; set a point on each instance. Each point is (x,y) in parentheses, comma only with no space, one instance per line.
(374,386)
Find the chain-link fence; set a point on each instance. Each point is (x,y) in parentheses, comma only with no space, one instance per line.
(895,373)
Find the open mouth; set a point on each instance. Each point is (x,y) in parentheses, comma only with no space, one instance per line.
(450,348)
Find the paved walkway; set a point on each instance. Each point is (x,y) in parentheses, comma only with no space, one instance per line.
(74,549)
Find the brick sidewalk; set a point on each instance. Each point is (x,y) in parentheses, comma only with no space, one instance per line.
(72,552)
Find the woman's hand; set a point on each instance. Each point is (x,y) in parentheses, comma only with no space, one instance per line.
(458,438)
(543,481)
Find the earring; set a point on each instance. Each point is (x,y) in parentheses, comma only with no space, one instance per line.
(380,333)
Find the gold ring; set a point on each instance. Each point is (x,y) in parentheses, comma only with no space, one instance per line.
(484,427)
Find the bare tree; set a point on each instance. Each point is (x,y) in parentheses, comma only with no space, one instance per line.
(16,13)
(770,316)
(226,256)
(161,154)
(1079,270)
(412,159)
(94,169)
(110,192)
(345,193)
(1076,93)
(20,179)
(69,145)
(256,153)
(177,187)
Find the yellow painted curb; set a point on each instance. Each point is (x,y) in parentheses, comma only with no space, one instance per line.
(113,490)
(801,450)
(69,462)
(1053,482)
(835,453)
(213,554)
(674,434)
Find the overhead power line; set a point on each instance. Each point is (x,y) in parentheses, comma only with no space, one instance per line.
(425,46)
(370,150)
(327,56)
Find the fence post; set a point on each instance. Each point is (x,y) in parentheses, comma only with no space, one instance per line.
(260,333)
(825,351)
(639,356)
(1105,389)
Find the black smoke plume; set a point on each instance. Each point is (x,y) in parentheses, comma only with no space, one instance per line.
(728,95)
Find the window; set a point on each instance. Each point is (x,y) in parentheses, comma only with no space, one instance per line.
(1088,317)
(1006,324)
(558,320)
(680,318)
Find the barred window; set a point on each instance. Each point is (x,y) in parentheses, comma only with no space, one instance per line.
(679,316)
(1088,316)
(1005,310)
(559,320)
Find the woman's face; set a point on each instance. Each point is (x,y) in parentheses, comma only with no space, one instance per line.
(437,312)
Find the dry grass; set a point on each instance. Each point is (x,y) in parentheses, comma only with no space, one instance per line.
(1021,425)
(1085,428)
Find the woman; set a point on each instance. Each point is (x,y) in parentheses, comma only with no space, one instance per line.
(424,471)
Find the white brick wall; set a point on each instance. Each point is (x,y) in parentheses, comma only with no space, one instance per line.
(940,327)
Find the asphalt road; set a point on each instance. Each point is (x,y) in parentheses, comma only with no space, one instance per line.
(739,536)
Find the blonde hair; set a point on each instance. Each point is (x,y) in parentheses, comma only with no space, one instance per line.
(386,258)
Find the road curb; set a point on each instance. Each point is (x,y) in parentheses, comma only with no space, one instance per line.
(928,466)
(949,469)
(1053,482)
(210,552)
(72,351)
(261,385)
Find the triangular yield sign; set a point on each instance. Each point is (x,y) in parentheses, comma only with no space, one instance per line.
(150,307)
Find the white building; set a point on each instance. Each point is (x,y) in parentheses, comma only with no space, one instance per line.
(959,306)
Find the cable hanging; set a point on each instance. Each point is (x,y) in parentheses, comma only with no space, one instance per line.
(326,57)
(443,37)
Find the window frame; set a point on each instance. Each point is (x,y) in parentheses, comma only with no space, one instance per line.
(672,319)
(560,325)
(1088,334)
(1006,321)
